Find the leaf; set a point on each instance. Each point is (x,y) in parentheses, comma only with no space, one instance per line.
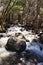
(41,10)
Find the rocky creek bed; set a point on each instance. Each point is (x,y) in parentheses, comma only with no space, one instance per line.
(31,55)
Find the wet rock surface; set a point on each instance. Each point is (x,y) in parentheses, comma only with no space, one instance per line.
(14,45)
(20,47)
(41,37)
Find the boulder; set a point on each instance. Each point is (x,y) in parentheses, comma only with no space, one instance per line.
(20,46)
(15,44)
(10,44)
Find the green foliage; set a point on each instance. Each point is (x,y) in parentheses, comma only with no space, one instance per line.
(41,10)
(21,2)
(17,6)
(16,9)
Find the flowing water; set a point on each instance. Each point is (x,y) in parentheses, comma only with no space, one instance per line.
(35,48)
